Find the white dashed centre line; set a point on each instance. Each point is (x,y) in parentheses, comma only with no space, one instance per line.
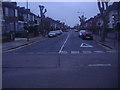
(74,52)
(99,51)
(63,44)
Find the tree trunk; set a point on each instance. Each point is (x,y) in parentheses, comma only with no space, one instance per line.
(104,17)
(104,29)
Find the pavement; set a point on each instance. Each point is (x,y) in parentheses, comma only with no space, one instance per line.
(65,61)
(19,42)
(110,43)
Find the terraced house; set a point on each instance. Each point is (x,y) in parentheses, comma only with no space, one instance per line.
(95,24)
(14,19)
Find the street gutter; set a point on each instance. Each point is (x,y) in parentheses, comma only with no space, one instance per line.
(103,44)
(22,45)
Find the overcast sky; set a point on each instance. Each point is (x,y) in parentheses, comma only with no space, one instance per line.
(65,11)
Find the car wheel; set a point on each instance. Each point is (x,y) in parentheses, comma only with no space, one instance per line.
(91,38)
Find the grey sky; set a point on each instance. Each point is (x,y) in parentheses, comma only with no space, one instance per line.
(65,11)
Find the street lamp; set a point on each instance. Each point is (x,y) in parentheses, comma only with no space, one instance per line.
(27,36)
(27,23)
(113,17)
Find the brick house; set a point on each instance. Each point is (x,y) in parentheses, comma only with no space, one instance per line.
(96,22)
(14,19)
(9,19)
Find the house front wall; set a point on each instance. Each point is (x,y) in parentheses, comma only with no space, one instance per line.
(111,20)
(9,18)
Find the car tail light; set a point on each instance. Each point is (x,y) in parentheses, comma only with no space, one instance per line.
(91,35)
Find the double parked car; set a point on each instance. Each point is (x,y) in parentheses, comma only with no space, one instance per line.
(86,34)
(55,33)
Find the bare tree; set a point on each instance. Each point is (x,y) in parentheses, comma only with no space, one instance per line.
(42,13)
(82,21)
(103,8)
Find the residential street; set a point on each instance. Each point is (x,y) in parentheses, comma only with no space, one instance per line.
(65,61)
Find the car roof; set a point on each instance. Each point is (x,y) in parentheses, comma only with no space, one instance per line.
(82,30)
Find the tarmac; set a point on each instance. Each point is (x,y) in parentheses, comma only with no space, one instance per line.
(18,42)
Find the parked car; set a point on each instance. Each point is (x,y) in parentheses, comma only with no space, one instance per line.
(81,32)
(84,34)
(76,30)
(59,32)
(52,34)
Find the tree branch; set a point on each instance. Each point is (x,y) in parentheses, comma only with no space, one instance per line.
(103,7)
(99,6)
(106,3)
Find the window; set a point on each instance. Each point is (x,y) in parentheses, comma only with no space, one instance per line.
(25,17)
(20,26)
(6,11)
(16,12)
(28,16)
(11,26)
(16,26)
(11,12)
(32,18)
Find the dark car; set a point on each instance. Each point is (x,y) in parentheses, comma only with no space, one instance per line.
(86,35)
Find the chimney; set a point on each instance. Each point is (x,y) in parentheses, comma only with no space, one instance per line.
(14,3)
(28,10)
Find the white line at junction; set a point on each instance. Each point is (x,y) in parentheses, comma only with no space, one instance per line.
(97,65)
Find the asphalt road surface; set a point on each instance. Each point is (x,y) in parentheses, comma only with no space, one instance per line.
(65,61)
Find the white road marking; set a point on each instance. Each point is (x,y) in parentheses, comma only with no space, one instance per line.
(96,65)
(86,52)
(110,51)
(85,45)
(64,44)
(63,52)
(74,52)
(99,51)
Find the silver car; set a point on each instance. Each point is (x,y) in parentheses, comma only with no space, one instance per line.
(52,34)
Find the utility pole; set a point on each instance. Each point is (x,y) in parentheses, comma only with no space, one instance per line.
(114,18)
(27,23)
(42,13)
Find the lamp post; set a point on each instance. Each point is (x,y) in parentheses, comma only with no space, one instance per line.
(113,17)
(27,23)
